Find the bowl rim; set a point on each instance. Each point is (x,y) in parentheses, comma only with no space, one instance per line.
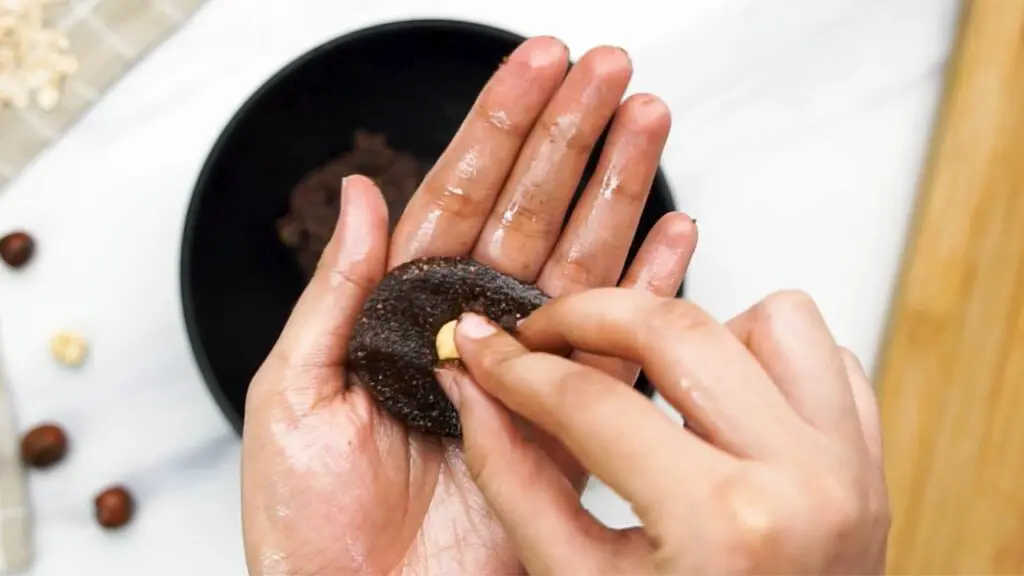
(202,181)
(200,186)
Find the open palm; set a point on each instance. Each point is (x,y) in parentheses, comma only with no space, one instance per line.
(333,485)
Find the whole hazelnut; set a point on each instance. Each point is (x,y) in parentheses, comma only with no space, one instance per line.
(16,249)
(114,507)
(44,446)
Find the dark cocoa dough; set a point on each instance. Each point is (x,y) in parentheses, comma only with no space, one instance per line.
(315,201)
(393,350)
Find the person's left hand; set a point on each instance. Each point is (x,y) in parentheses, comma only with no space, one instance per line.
(333,485)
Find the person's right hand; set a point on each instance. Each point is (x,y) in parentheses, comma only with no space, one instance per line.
(778,472)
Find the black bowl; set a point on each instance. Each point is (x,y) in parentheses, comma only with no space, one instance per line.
(413,81)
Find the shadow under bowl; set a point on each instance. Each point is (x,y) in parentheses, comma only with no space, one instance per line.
(413,81)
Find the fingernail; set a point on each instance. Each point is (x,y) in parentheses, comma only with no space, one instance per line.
(474,327)
(344,206)
(449,383)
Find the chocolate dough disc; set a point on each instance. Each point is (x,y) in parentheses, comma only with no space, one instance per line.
(393,351)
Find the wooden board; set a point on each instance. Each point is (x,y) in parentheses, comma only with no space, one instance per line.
(951,375)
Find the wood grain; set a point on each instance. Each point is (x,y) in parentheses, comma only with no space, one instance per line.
(951,375)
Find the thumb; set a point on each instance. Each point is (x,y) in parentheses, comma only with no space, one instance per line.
(531,498)
(319,328)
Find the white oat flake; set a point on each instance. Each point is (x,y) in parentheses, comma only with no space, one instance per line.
(34,56)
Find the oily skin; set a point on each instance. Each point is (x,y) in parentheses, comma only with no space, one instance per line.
(332,485)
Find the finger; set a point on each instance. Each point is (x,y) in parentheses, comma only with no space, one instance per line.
(538,507)
(592,250)
(352,264)
(664,257)
(699,367)
(528,216)
(446,214)
(610,428)
(866,403)
(788,336)
(658,269)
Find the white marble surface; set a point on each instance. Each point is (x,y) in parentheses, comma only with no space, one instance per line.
(800,128)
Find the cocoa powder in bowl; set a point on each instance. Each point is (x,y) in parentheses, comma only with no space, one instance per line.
(315,202)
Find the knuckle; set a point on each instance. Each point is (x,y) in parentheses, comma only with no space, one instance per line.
(753,527)
(770,317)
(671,316)
(570,132)
(841,509)
(848,355)
(575,274)
(478,464)
(361,273)
(578,142)
(851,361)
(531,219)
(627,192)
(789,301)
(494,359)
(565,394)
(489,112)
(452,199)
(352,276)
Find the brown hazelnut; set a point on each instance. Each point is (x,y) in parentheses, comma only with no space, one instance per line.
(114,507)
(16,249)
(44,446)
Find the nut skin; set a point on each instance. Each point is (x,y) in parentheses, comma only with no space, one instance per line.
(16,249)
(44,446)
(114,507)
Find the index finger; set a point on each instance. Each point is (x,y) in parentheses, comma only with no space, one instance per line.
(613,431)
(696,363)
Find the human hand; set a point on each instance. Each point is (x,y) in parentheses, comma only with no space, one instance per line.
(778,472)
(330,483)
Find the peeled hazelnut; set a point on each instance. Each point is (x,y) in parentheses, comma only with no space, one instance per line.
(68,348)
(44,446)
(445,342)
(16,249)
(114,507)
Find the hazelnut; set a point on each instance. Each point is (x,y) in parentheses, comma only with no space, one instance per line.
(114,507)
(44,446)
(16,249)
(445,342)
(68,348)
